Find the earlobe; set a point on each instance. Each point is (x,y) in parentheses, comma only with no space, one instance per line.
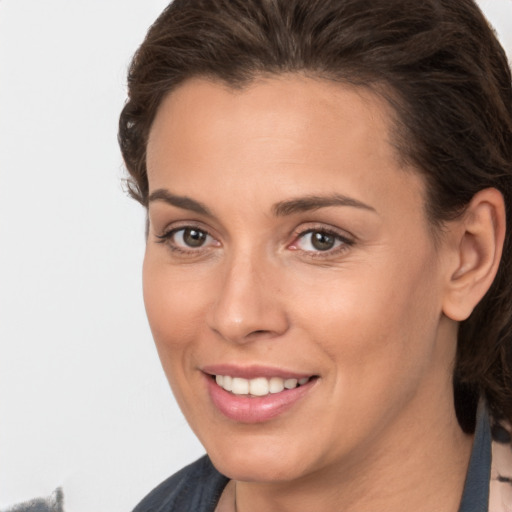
(480,234)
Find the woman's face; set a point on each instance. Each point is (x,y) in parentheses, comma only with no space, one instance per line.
(287,244)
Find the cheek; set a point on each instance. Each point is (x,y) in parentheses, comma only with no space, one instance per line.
(174,304)
(377,321)
(174,308)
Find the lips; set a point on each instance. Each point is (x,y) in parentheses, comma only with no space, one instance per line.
(255,394)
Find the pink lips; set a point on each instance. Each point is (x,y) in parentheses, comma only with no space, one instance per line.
(248,409)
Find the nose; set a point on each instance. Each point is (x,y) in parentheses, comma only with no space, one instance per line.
(249,305)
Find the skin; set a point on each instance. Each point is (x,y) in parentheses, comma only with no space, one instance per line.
(377,431)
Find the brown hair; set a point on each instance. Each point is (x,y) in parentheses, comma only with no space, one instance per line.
(445,74)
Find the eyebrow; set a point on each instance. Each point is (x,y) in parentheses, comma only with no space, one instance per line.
(183,202)
(281,209)
(308,203)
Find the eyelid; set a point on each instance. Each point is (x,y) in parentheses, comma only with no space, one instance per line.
(170,231)
(347,240)
(175,226)
(309,227)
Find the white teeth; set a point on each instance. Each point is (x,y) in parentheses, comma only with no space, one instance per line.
(240,386)
(290,383)
(259,386)
(227,383)
(276,385)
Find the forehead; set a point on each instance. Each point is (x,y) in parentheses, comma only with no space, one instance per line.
(284,103)
(294,131)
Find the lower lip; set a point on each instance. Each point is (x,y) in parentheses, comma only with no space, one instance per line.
(249,409)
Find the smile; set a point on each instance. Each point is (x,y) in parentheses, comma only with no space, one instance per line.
(258,396)
(259,386)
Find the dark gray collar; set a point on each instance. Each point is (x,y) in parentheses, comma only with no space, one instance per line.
(475,497)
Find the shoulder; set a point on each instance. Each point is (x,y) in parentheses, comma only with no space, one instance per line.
(196,487)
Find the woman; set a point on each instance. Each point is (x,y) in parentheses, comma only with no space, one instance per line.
(327,274)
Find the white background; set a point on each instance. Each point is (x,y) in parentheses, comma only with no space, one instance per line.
(84,403)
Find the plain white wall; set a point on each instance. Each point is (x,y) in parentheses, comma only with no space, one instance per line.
(83,401)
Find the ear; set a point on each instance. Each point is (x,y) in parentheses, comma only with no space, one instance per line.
(478,244)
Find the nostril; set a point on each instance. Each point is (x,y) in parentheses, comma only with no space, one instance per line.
(259,333)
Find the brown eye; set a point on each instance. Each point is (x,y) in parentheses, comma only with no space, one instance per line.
(192,237)
(188,238)
(322,241)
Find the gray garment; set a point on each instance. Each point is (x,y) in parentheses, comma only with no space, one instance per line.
(54,503)
(197,488)
(476,488)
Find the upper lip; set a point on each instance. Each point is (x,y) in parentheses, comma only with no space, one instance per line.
(253,371)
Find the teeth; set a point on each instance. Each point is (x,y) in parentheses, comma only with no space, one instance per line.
(276,385)
(240,386)
(227,383)
(290,383)
(259,386)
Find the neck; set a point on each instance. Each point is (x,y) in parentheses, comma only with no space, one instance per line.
(421,462)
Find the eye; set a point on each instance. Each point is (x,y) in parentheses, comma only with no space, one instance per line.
(187,238)
(190,237)
(320,240)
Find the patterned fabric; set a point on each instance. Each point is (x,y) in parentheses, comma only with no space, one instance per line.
(500,499)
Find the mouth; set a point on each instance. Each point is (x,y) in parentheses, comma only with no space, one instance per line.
(259,386)
(256,394)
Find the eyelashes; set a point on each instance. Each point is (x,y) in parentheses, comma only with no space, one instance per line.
(187,239)
(320,241)
(316,241)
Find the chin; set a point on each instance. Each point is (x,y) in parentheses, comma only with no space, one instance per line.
(267,470)
(259,461)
